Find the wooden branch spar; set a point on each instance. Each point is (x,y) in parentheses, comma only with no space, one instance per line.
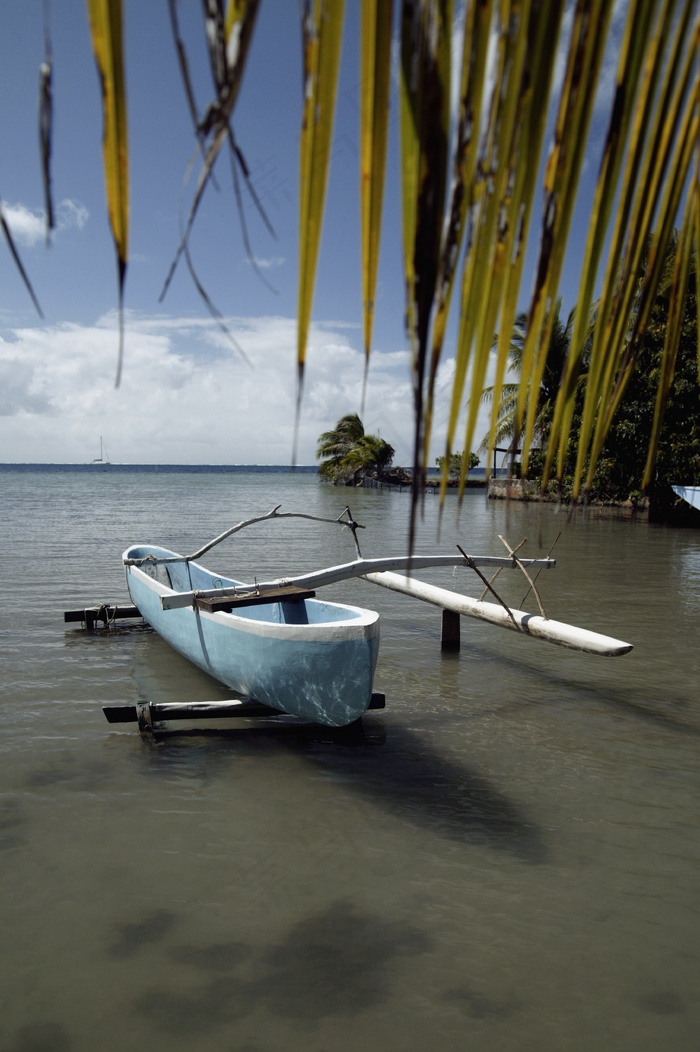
(345,571)
(517,620)
(344,519)
(529,580)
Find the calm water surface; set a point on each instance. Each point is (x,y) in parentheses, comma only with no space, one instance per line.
(506,858)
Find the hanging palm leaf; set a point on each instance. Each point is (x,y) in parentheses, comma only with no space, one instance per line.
(322,33)
(229,34)
(469,179)
(426,35)
(46,126)
(4,226)
(106,30)
(375,58)
(652,184)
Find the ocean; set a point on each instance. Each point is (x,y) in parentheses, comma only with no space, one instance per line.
(506,857)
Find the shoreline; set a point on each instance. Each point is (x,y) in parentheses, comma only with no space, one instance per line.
(529,493)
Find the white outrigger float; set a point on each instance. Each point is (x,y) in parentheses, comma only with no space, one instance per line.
(276,643)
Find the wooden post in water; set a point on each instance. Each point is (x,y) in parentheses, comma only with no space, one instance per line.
(449,640)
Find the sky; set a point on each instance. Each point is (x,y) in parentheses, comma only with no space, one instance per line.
(187,395)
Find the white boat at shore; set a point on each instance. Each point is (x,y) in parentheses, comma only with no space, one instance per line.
(690,494)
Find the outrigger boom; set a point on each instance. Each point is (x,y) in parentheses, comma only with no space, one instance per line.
(357,568)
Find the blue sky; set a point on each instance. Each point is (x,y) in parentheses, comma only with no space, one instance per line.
(186,395)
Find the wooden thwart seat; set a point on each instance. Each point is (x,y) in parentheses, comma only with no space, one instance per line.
(226,603)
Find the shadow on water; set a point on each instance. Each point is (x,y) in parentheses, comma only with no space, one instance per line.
(46,1036)
(332,962)
(608,696)
(394,769)
(336,961)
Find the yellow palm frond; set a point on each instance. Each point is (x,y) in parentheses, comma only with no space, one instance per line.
(107,43)
(375,58)
(470,172)
(323,31)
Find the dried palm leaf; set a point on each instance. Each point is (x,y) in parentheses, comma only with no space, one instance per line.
(425,134)
(18,262)
(229,34)
(46,125)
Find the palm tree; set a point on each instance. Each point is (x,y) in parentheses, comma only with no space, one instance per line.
(350,453)
(505,431)
(468,175)
(344,436)
(371,455)
(335,445)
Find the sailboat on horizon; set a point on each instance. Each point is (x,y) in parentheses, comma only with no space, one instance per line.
(104,455)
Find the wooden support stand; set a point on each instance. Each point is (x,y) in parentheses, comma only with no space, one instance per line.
(104,613)
(449,639)
(150,715)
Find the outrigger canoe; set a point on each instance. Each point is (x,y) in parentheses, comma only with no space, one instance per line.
(297,654)
(276,643)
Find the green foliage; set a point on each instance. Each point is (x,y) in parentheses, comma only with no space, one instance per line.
(350,454)
(455,467)
(620,467)
(557,350)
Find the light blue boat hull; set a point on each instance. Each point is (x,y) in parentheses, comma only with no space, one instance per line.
(308,658)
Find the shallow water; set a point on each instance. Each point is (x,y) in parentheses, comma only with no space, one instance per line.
(506,857)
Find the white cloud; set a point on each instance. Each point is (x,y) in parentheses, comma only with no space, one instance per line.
(269,262)
(178,402)
(29,227)
(71,214)
(187,397)
(26,227)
